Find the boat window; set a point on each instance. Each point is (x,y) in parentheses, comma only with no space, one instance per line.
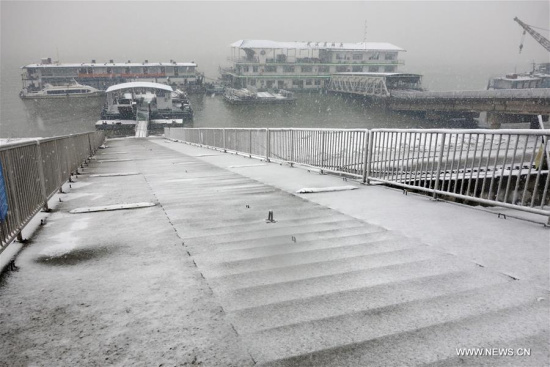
(255,69)
(271,69)
(357,69)
(288,68)
(323,69)
(357,57)
(373,69)
(145,70)
(375,56)
(307,69)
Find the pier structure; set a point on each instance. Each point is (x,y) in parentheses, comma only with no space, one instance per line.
(402,92)
(160,252)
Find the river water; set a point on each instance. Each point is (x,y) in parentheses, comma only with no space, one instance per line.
(44,118)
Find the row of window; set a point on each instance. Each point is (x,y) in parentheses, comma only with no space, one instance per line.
(111,70)
(68,91)
(282,84)
(318,69)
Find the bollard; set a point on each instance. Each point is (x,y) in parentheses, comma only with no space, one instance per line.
(270,217)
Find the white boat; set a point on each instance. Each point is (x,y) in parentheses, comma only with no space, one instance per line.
(60,91)
(128,104)
(246,96)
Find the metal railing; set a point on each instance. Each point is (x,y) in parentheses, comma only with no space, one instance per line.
(507,168)
(32,172)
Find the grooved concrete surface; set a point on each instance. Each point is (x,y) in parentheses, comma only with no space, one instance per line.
(203,278)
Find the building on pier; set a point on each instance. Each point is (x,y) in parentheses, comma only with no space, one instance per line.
(267,64)
(102,75)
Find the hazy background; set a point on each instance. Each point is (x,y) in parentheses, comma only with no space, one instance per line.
(445,35)
(456,45)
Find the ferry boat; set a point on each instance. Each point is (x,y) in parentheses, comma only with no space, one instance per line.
(538,78)
(60,91)
(247,96)
(102,75)
(158,104)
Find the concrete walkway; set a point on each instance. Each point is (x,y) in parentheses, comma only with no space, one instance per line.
(368,277)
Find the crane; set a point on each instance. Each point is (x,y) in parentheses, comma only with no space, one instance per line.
(536,35)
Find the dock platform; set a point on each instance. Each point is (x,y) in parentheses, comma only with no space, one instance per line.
(162,253)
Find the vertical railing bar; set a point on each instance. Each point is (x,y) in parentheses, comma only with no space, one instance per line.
(41,177)
(487,163)
(539,170)
(503,168)
(508,184)
(516,187)
(466,165)
(527,179)
(479,164)
(472,166)
(491,185)
(436,185)
(547,184)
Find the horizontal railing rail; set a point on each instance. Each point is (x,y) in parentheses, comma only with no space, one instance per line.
(31,172)
(506,168)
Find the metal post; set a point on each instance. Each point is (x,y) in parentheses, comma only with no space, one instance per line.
(40,168)
(368,157)
(250,143)
(438,170)
(292,145)
(223,137)
(267,144)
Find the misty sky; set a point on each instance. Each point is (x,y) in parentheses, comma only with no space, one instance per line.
(435,32)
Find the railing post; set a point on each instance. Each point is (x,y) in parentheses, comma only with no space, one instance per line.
(267,144)
(292,145)
(40,168)
(250,143)
(223,143)
(322,149)
(368,157)
(438,170)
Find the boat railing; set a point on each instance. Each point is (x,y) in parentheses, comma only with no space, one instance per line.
(31,172)
(505,168)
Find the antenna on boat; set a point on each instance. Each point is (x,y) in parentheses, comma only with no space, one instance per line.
(365,35)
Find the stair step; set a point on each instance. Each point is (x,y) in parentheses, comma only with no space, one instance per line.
(280,292)
(370,327)
(271,229)
(277,234)
(283,248)
(317,269)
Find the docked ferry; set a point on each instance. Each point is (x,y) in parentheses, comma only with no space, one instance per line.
(102,75)
(60,91)
(156,104)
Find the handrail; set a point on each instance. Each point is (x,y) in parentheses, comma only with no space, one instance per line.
(506,168)
(32,171)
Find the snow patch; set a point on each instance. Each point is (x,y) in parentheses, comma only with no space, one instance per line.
(325,189)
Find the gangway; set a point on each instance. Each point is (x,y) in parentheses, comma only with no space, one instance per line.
(142,122)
